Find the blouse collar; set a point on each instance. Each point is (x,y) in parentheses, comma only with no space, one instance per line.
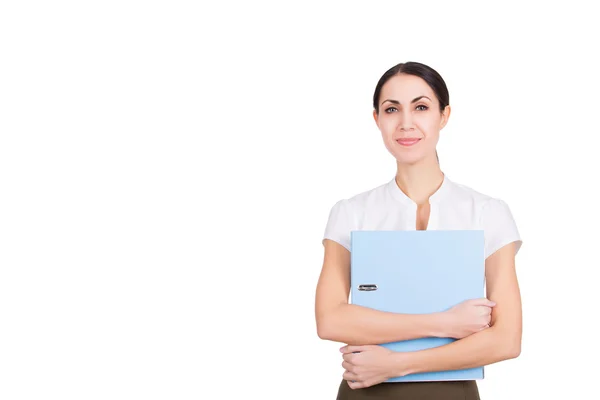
(436,197)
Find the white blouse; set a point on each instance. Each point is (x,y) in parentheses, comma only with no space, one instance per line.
(452,207)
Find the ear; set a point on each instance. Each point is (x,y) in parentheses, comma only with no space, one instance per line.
(445,117)
(375,116)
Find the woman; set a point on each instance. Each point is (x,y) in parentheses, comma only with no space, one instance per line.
(411,106)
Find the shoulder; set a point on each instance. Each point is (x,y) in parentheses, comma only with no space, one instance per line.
(496,219)
(481,203)
(484,203)
(463,193)
(363,199)
(343,213)
(493,214)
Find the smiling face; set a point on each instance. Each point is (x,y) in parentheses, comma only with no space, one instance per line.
(409,118)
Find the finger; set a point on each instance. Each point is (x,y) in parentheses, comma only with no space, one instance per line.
(347,366)
(348,357)
(355,385)
(483,302)
(485,311)
(354,349)
(350,376)
(353,382)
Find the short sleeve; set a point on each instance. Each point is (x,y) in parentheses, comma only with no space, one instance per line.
(499,227)
(339,224)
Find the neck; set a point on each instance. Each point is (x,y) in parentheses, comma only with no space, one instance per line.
(419,181)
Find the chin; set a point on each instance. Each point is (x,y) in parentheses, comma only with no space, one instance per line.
(406,156)
(408,159)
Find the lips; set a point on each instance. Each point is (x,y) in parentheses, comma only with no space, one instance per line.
(407,141)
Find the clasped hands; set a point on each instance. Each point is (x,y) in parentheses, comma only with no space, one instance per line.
(368,365)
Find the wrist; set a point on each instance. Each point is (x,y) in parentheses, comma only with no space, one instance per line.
(440,324)
(404,363)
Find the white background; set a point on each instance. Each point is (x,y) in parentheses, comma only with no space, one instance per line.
(167,169)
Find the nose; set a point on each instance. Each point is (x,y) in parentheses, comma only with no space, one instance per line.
(405,123)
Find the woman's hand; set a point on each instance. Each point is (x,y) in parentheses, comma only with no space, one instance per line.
(368,365)
(468,317)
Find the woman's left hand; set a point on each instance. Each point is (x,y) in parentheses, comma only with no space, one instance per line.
(367,365)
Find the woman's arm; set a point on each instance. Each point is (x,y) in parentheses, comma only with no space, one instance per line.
(352,324)
(500,342)
(356,325)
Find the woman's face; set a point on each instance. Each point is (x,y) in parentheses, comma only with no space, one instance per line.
(409,118)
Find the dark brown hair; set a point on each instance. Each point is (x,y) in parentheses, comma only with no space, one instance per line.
(428,74)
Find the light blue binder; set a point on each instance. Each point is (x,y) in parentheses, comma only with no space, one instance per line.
(418,272)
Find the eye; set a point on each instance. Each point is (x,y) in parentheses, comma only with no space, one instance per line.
(387,110)
(424,107)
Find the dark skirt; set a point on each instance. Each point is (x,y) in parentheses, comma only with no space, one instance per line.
(441,390)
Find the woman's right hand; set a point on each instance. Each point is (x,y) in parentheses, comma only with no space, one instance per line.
(468,317)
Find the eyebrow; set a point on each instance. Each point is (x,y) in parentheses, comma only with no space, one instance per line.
(413,101)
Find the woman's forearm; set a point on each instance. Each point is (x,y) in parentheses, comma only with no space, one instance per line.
(357,325)
(480,349)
